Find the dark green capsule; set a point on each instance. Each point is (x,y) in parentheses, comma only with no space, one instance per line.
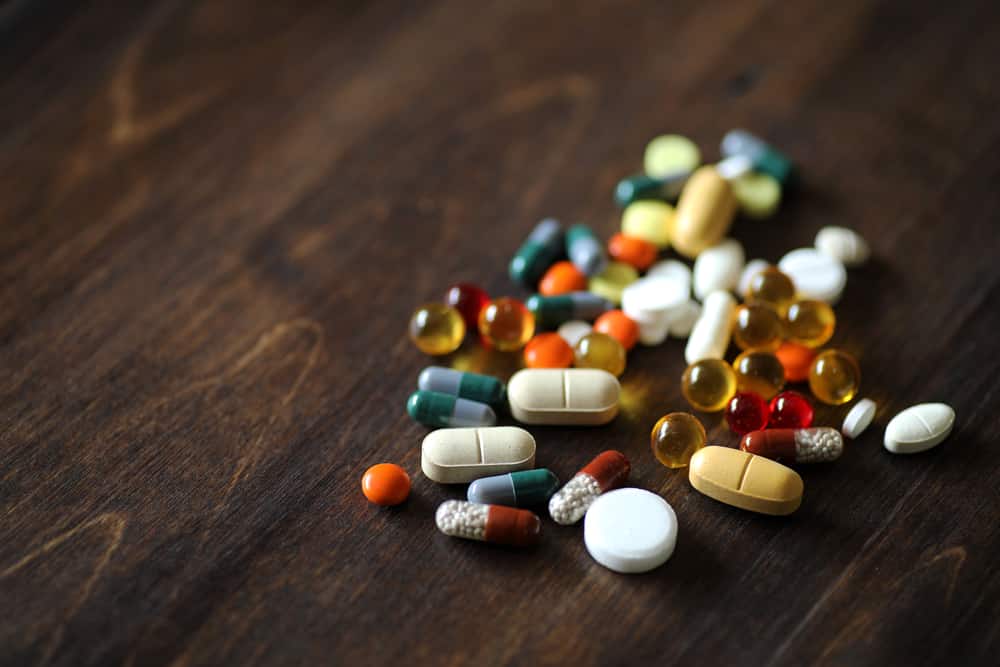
(640,187)
(552,311)
(432,408)
(473,386)
(519,489)
(539,251)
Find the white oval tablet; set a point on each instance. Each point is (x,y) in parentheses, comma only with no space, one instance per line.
(683,317)
(459,455)
(753,267)
(918,428)
(718,268)
(574,330)
(859,418)
(816,276)
(844,244)
(674,270)
(630,530)
(653,296)
(710,336)
(585,396)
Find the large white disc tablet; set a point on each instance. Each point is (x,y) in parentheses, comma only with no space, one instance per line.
(630,530)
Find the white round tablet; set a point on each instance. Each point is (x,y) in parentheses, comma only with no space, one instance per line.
(816,276)
(630,530)
(859,418)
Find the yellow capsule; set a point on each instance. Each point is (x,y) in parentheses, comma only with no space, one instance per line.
(610,282)
(758,327)
(760,373)
(597,350)
(772,287)
(834,377)
(810,322)
(704,212)
(436,328)
(708,384)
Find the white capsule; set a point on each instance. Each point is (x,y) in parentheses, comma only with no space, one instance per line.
(843,244)
(718,268)
(858,419)
(918,428)
(710,336)
(683,318)
(752,268)
(816,276)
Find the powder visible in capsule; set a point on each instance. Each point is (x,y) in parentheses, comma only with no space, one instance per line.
(488,523)
(799,445)
(608,470)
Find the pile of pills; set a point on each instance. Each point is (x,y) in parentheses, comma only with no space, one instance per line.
(592,303)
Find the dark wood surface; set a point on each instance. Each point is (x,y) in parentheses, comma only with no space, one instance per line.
(217,218)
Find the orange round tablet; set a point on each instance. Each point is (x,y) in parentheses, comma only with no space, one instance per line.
(640,253)
(619,326)
(386,484)
(548,350)
(562,278)
(796,359)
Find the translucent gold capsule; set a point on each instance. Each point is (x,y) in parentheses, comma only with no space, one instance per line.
(758,327)
(708,384)
(772,287)
(760,373)
(834,377)
(436,328)
(676,437)
(598,350)
(810,323)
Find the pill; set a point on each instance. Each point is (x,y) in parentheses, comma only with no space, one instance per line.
(709,384)
(772,287)
(918,428)
(653,296)
(653,329)
(548,350)
(675,438)
(630,531)
(672,269)
(436,329)
(834,377)
(538,252)
(710,336)
(385,484)
(765,158)
(759,372)
(619,326)
(473,386)
(610,282)
(858,418)
(585,251)
(670,153)
(584,396)
(740,479)
(523,488)
(488,523)
(815,275)
(796,360)
(459,455)
(731,168)
(757,326)
(506,324)
(843,244)
(746,412)
(790,409)
(649,220)
(752,268)
(636,188)
(683,317)
(810,322)
(718,268)
(797,445)
(574,330)
(469,300)
(757,194)
(632,250)
(434,409)
(704,212)
(570,503)
(561,278)
(552,311)
(599,350)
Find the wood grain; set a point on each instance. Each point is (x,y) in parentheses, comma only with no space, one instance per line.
(215,219)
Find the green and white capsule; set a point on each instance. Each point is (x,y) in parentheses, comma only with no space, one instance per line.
(765,158)
(435,409)
(473,386)
(538,252)
(641,187)
(552,311)
(585,251)
(524,488)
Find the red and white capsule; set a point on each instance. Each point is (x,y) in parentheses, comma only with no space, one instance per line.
(488,523)
(608,470)
(798,445)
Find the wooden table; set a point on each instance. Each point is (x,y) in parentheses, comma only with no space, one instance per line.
(217,218)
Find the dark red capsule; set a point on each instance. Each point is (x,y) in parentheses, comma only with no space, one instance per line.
(468,300)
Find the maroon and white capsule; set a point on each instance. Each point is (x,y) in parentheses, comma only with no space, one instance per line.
(608,470)
(488,523)
(798,445)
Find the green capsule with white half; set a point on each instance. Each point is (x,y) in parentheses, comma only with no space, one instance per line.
(552,311)
(434,409)
(641,187)
(764,157)
(473,386)
(523,488)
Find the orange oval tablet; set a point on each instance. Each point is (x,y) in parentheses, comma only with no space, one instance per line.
(640,253)
(548,350)
(796,359)
(562,278)
(619,326)
(385,484)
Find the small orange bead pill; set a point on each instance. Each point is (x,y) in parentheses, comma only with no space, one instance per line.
(562,278)
(548,350)
(386,484)
(619,326)
(796,359)
(640,253)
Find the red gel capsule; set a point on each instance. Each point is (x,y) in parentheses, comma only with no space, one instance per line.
(468,300)
(798,445)
(746,412)
(790,409)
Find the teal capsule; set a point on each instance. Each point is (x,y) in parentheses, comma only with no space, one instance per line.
(434,409)
(538,252)
(764,157)
(640,187)
(473,386)
(552,311)
(585,251)
(523,488)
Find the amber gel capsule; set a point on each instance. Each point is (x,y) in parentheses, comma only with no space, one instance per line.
(488,523)
(798,445)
